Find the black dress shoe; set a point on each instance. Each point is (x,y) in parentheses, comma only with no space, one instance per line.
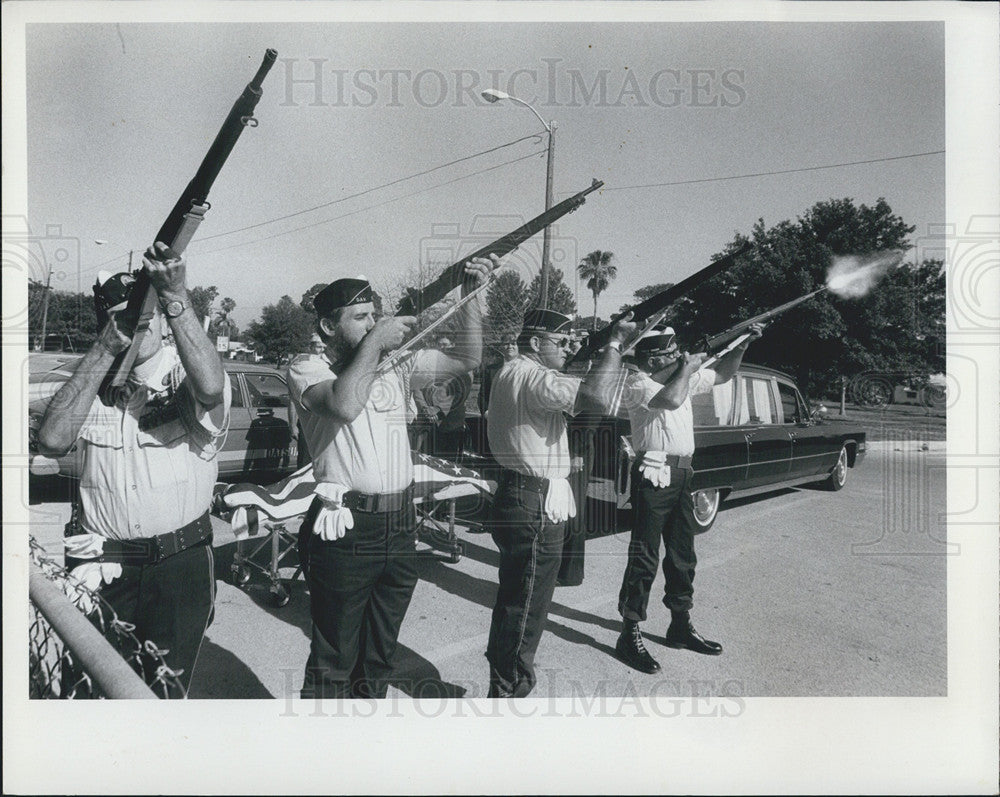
(632,651)
(683,635)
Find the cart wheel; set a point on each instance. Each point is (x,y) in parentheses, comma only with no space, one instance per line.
(279,595)
(241,575)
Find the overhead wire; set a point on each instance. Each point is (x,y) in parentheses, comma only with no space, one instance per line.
(377,204)
(768,174)
(370,190)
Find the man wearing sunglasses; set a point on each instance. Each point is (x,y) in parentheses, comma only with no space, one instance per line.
(658,398)
(526,427)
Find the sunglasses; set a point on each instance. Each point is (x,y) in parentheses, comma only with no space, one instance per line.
(561,343)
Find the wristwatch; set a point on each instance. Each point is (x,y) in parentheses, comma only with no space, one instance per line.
(174,308)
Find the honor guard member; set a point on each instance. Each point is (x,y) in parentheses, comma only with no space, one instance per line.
(527,435)
(658,397)
(148,449)
(357,541)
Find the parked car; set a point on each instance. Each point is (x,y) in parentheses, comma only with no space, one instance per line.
(753,434)
(260,445)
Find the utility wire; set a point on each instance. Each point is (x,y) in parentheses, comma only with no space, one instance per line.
(377,204)
(767,174)
(368,190)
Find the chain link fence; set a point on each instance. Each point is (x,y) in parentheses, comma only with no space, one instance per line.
(79,648)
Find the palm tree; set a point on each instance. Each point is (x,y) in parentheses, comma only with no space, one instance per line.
(596,268)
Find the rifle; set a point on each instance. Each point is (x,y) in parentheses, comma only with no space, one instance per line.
(650,312)
(417,300)
(187,214)
(718,346)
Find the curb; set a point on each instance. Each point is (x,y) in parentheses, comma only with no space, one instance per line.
(917,446)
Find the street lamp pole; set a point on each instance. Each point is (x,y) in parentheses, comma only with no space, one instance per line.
(546,233)
(494,95)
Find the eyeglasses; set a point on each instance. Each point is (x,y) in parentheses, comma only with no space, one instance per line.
(560,343)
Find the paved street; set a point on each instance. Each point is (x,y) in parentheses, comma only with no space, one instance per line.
(811,593)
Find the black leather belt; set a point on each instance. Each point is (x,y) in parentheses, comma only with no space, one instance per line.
(150,550)
(672,461)
(534,483)
(374,502)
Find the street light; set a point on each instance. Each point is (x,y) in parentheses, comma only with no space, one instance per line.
(494,95)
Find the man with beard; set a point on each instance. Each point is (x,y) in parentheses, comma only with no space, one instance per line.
(357,541)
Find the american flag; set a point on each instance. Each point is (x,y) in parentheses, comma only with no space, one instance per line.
(433,478)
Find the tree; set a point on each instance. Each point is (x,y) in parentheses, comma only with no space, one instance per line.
(307,297)
(222,325)
(898,326)
(69,315)
(597,269)
(283,330)
(202,299)
(505,302)
(561,298)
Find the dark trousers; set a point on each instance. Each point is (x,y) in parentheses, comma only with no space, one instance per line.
(360,587)
(667,513)
(530,548)
(170,603)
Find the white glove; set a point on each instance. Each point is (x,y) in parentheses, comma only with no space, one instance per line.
(655,469)
(333,520)
(91,575)
(84,546)
(559,504)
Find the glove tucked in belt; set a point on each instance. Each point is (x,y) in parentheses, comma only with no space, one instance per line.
(559,503)
(655,466)
(333,519)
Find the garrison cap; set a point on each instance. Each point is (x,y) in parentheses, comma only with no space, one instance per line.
(655,342)
(342,293)
(111,294)
(547,321)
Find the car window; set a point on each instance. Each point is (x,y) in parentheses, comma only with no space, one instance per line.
(757,402)
(789,403)
(266,390)
(714,408)
(234,390)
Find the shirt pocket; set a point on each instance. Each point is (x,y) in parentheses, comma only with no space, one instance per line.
(387,394)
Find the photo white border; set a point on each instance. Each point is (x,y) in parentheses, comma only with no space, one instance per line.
(787,745)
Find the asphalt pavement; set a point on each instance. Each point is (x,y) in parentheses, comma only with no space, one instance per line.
(812,593)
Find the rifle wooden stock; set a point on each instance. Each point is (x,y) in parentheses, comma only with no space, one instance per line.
(183,220)
(418,300)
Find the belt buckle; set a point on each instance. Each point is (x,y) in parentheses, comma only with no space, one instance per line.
(372,502)
(168,545)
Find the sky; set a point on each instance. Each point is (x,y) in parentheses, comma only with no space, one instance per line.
(119,117)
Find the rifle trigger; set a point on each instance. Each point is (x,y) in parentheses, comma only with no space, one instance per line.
(249,121)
